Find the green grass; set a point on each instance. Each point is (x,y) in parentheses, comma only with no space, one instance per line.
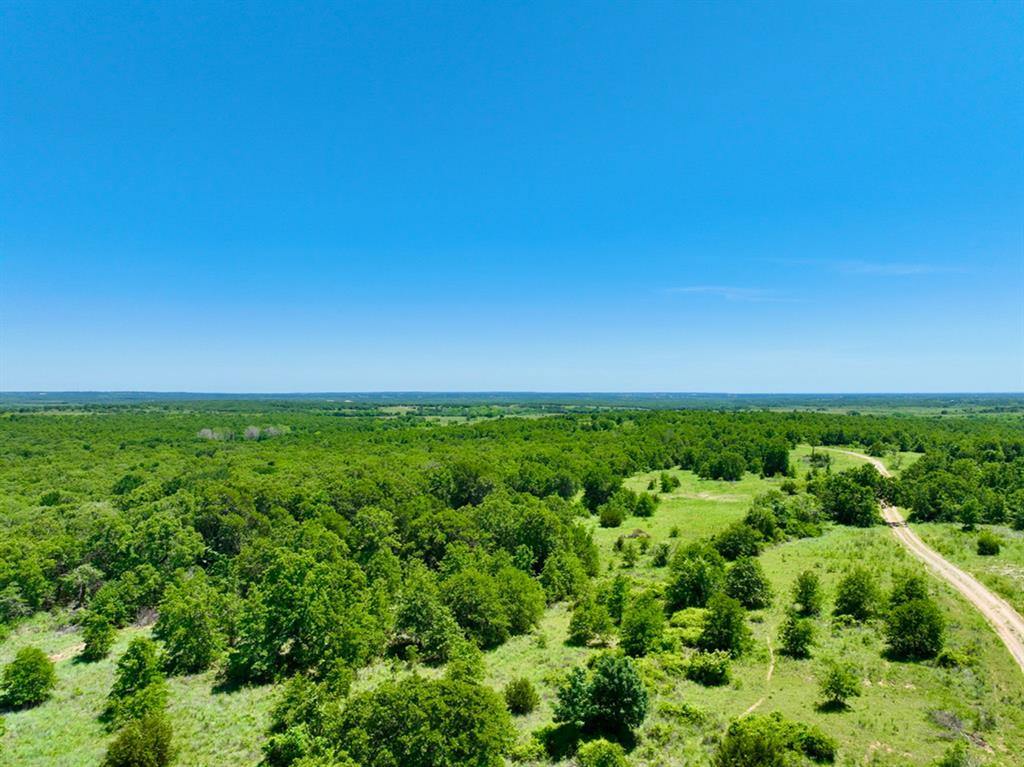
(1003,573)
(210,728)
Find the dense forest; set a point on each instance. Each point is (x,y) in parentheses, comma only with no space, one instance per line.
(296,545)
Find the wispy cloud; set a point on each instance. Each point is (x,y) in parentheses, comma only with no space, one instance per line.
(729,293)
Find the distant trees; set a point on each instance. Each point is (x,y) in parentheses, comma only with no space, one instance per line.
(599,485)
(28,680)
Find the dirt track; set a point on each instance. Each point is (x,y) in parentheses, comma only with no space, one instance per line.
(1006,621)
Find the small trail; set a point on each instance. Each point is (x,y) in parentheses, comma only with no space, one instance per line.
(767,681)
(1006,621)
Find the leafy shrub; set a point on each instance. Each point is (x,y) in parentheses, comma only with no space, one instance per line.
(796,636)
(146,742)
(747,583)
(612,514)
(520,697)
(837,683)
(425,723)
(710,669)
(771,741)
(98,635)
(738,540)
(697,574)
(915,629)
(601,753)
(590,622)
(668,482)
(477,606)
(988,544)
(807,596)
(659,558)
(29,679)
(857,595)
(725,626)
(643,624)
(610,698)
(645,505)
(139,689)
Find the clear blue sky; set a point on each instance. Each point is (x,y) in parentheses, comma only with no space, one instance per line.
(480,196)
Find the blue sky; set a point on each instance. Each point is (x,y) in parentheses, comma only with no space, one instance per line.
(508,196)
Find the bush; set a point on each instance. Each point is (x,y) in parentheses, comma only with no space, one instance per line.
(857,595)
(797,636)
(98,634)
(146,742)
(747,583)
(837,683)
(612,514)
(772,741)
(738,540)
(710,669)
(988,544)
(807,596)
(139,689)
(643,624)
(697,574)
(601,753)
(915,629)
(29,679)
(425,723)
(609,699)
(520,697)
(590,622)
(645,505)
(725,626)
(668,482)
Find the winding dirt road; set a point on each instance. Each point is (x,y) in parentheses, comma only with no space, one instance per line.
(1006,621)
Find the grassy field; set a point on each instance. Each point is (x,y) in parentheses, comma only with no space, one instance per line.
(210,728)
(1003,573)
(908,713)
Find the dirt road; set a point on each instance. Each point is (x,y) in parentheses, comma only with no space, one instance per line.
(1006,621)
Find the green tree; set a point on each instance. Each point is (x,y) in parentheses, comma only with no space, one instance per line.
(696,574)
(522,598)
(146,742)
(746,582)
(848,502)
(424,723)
(643,624)
(807,596)
(29,679)
(857,594)
(422,620)
(609,699)
(599,485)
(838,682)
(98,635)
(189,625)
(725,626)
(590,622)
(474,600)
(771,741)
(915,629)
(139,688)
(796,636)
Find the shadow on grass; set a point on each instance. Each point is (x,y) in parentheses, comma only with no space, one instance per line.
(832,707)
(563,741)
